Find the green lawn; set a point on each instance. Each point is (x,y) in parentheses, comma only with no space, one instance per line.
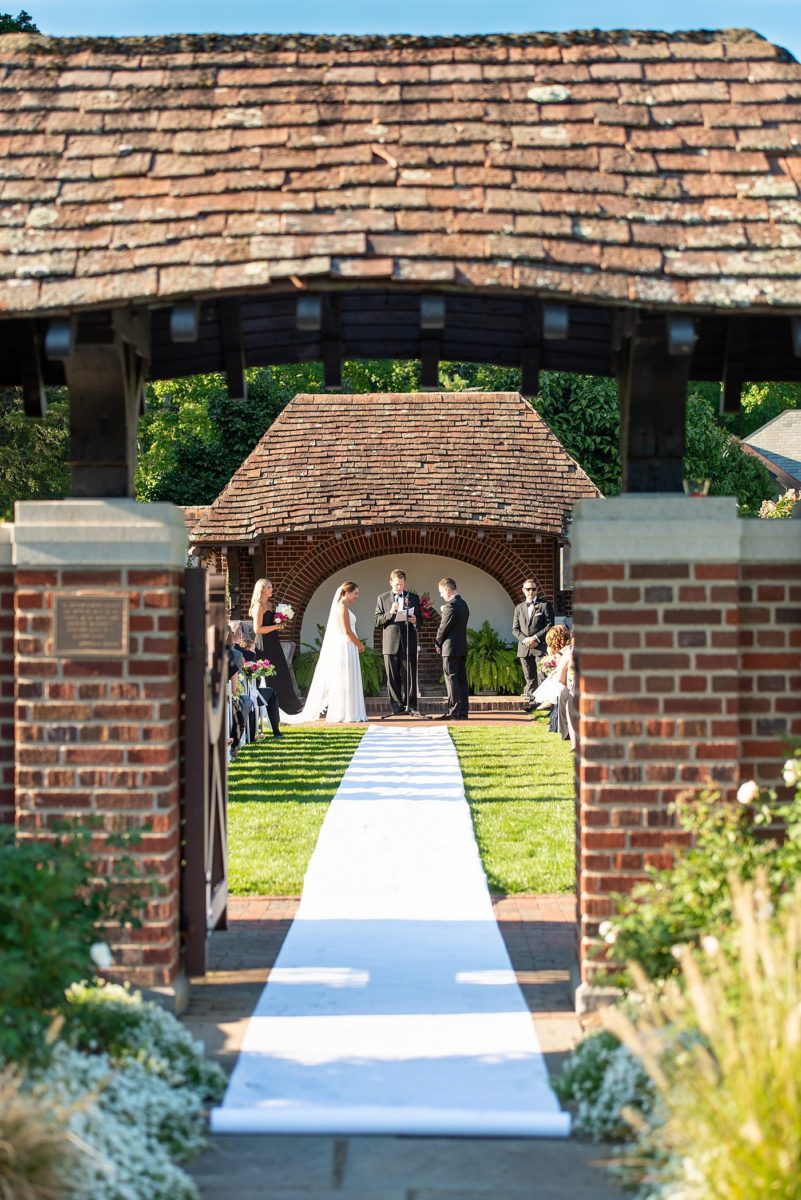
(518,780)
(278,793)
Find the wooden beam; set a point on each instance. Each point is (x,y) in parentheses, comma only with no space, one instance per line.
(105,376)
(531,355)
(652,387)
(232,560)
(29,357)
(734,364)
(331,344)
(230,309)
(432,322)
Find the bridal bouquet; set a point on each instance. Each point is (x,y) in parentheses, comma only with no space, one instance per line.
(547,665)
(283,612)
(260,669)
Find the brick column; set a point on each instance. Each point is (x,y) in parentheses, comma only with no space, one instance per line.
(98,736)
(657,623)
(6,676)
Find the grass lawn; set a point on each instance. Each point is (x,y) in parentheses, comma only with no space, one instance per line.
(278,793)
(518,780)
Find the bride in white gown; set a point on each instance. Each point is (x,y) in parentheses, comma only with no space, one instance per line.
(336,687)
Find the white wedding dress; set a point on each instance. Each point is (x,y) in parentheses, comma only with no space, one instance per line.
(336,688)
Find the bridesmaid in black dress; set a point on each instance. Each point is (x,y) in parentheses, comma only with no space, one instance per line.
(268,642)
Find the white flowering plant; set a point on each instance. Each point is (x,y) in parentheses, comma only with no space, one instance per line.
(115,1020)
(693,897)
(600,1081)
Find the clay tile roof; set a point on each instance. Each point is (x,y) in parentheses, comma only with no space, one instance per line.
(192,514)
(467,458)
(630,166)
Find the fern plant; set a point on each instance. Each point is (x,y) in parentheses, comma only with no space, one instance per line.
(492,663)
(371,664)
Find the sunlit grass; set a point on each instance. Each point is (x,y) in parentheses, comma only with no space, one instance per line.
(519,782)
(278,795)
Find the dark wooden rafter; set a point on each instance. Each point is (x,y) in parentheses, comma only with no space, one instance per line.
(734,364)
(232,559)
(105,368)
(331,339)
(29,354)
(531,357)
(652,387)
(233,346)
(432,322)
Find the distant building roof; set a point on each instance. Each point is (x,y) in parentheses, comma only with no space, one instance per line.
(633,167)
(471,458)
(779,443)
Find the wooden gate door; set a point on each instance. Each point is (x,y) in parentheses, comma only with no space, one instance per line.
(204,782)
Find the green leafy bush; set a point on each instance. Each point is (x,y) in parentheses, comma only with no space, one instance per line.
(50,907)
(492,664)
(694,896)
(371,662)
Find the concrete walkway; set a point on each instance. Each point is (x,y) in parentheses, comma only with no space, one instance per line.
(539,933)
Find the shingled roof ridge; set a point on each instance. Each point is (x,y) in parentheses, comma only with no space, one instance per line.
(200,42)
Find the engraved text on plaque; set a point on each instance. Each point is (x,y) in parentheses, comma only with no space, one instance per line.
(90,624)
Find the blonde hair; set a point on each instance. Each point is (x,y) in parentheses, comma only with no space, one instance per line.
(255,599)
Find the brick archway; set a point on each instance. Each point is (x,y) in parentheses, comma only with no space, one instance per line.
(298,567)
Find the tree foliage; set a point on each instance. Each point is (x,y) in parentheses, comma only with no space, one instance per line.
(22,23)
(33,453)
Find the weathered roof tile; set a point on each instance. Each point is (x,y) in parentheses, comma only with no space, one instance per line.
(155,167)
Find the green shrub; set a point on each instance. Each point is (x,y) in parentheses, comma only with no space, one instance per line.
(599,1082)
(371,662)
(492,664)
(50,907)
(693,897)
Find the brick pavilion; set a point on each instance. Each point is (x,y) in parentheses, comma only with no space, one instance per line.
(623,204)
(336,479)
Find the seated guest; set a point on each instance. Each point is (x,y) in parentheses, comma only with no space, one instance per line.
(568,697)
(557,637)
(268,696)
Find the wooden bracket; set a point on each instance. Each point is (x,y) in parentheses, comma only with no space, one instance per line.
(233,347)
(652,386)
(105,376)
(29,357)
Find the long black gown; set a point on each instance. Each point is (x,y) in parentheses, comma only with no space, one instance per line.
(270,646)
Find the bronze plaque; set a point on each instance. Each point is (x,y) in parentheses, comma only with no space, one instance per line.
(90,624)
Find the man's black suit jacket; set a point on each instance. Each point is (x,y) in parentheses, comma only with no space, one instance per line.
(541,621)
(451,636)
(393,633)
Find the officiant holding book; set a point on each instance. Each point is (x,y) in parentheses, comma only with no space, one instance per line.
(396,616)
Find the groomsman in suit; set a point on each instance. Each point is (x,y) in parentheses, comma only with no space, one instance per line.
(532,620)
(451,642)
(399,641)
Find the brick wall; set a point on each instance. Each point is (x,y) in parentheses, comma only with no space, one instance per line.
(6,679)
(98,738)
(689,651)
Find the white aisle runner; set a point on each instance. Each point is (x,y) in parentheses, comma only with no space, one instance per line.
(392,1007)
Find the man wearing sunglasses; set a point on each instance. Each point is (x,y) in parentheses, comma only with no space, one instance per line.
(532,620)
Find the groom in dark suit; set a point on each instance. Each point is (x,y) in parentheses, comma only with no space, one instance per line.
(451,642)
(532,620)
(399,641)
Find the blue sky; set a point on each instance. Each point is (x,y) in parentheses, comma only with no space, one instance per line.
(778,20)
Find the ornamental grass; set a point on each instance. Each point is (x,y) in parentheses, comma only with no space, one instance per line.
(39,1154)
(722,1045)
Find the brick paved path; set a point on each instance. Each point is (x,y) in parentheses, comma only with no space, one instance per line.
(539,932)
